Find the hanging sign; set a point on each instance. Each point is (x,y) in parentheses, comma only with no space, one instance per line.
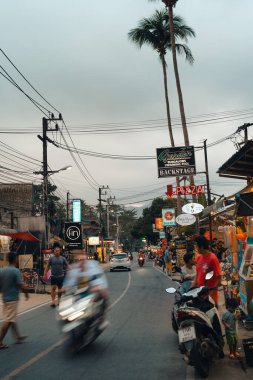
(185,219)
(176,161)
(168,216)
(192,208)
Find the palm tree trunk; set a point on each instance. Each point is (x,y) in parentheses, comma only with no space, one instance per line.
(167,100)
(170,4)
(169,123)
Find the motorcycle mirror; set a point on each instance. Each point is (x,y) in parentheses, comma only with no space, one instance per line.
(209,275)
(171,290)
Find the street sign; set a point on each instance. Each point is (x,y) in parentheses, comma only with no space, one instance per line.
(185,219)
(73,235)
(192,208)
(176,161)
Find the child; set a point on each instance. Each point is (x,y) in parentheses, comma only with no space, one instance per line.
(229,321)
(188,271)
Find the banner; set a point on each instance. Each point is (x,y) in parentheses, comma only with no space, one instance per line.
(168,215)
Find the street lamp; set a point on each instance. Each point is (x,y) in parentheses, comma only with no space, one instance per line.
(46,174)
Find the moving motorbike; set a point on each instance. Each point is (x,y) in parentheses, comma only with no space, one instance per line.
(81,316)
(141,261)
(197,322)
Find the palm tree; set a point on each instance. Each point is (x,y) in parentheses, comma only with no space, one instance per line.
(170,4)
(155,32)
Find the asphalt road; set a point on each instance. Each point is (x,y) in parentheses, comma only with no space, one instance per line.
(139,343)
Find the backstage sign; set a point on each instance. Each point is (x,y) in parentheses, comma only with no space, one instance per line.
(73,235)
(176,161)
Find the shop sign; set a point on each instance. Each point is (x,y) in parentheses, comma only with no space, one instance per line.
(93,240)
(161,234)
(192,208)
(175,161)
(73,235)
(185,190)
(159,223)
(168,215)
(185,219)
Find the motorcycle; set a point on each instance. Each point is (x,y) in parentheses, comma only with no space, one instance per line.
(141,261)
(81,316)
(197,323)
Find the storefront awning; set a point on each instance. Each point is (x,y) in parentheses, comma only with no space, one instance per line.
(21,235)
(240,165)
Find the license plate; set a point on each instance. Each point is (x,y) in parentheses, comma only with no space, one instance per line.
(187,333)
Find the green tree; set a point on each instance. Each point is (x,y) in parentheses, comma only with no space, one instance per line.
(155,32)
(144,225)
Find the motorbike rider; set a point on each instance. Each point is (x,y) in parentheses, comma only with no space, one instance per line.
(87,273)
(141,254)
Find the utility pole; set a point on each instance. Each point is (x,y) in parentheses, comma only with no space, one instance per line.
(45,139)
(109,203)
(67,206)
(101,191)
(209,201)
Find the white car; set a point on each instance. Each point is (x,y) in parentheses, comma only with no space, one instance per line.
(120,261)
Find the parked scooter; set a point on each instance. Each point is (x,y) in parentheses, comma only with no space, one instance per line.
(197,322)
(81,315)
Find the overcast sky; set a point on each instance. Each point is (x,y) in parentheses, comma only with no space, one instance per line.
(77,55)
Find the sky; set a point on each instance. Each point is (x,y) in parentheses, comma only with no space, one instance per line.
(76,53)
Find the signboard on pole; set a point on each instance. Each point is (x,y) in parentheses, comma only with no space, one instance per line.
(185,219)
(73,235)
(76,210)
(176,161)
(168,216)
(192,208)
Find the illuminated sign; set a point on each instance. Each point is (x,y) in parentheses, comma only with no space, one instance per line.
(76,210)
(159,223)
(185,190)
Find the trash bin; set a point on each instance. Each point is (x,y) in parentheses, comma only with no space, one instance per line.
(248,350)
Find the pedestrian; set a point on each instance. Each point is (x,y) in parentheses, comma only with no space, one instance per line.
(229,321)
(58,265)
(167,260)
(10,285)
(206,262)
(221,251)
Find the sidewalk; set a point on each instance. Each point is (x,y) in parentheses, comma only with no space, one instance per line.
(243,333)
